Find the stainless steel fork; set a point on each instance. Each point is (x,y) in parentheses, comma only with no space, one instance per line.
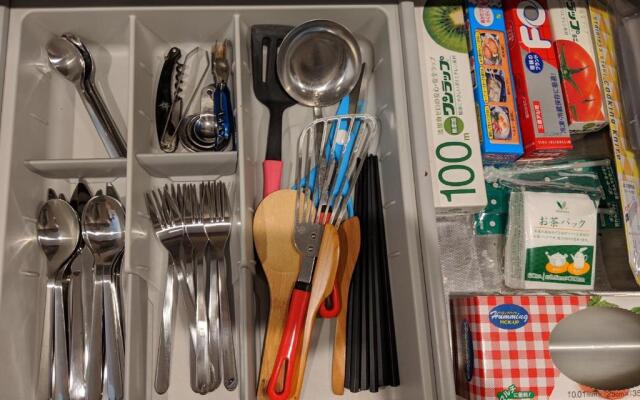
(206,369)
(218,228)
(166,220)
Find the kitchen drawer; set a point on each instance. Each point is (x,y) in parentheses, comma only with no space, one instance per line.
(462,259)
(47,140)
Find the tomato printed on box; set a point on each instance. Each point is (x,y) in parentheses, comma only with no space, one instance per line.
(574,47)
(543,120)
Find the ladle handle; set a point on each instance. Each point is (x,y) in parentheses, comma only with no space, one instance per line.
(103,121)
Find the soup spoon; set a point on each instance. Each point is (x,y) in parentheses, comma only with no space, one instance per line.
(58,234)
(103,225)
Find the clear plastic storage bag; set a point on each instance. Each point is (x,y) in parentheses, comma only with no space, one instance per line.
(552,225)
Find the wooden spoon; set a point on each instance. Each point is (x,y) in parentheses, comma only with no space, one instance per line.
(323,278)
(349,233)
(273,225)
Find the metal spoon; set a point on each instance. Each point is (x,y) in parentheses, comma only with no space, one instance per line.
(117,264)
(58,233)
(71,59)
(205,127)
(79,306)
(319,63)
(103,231)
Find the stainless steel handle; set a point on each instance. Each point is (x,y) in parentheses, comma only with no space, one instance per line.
(186,287)
(114,346)
(163,364)
(185,277)
(214,319)
(94,357)
(46,371)
(60,359)
(87,278)
(226,326)
(77,387)
(203,367)
(102,120)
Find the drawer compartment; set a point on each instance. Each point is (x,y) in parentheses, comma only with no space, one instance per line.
(49,141)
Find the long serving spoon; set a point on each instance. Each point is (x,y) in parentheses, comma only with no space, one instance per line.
(103,231)
(70,57)
(58,233)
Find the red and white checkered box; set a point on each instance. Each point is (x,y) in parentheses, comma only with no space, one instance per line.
(502,344)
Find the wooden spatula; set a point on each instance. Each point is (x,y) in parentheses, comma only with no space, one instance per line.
(273,225)
(321,286)
(349,233)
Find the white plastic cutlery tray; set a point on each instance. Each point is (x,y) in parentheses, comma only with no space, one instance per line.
(47,140)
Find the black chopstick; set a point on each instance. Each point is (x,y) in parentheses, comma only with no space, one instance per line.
(390,344)
(372,293)
(371,355)
(382,365)
(364,299)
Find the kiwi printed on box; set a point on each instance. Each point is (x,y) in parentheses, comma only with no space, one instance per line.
(444,21)
(452,130)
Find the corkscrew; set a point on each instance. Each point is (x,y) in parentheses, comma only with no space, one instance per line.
(172,111)
(164,97)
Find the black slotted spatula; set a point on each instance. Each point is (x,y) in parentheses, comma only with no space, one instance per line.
(269,92)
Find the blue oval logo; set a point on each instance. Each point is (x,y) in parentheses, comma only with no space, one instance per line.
(508,316)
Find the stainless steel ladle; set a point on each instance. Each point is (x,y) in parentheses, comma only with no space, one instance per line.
(318,63)
(70,57)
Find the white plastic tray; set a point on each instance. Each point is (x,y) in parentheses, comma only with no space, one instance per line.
(44,123)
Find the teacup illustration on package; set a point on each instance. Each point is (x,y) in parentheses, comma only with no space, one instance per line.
(579,265)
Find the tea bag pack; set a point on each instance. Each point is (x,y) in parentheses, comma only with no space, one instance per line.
(551,241)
